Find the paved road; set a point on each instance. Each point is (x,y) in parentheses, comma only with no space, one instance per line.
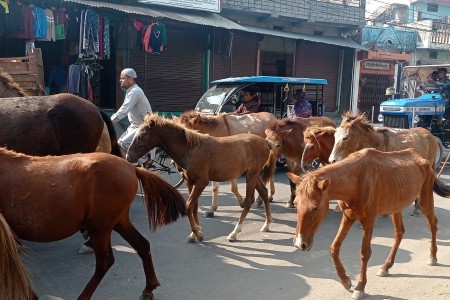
(257,266)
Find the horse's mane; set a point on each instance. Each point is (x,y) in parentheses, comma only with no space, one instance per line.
(316,130)
(360,118)
(193,137)
(279,124)
(309,181)
(192,118)
(8,82)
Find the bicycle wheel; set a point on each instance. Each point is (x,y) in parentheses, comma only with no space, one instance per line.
(165,167)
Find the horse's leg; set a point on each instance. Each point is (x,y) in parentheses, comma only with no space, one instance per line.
(192,208)
(142,246)
(262,191)
(104,259)
(291,168)
(251,178)
(235,191)
(366,252)
(399,231)
(427,207)
(214,200)
(335,248)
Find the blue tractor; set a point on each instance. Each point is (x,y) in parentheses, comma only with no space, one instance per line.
(429,107)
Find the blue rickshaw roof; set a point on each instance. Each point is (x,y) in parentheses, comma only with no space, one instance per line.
(271,79)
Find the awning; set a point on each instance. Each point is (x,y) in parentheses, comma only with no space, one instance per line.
(194,17)
(331,40)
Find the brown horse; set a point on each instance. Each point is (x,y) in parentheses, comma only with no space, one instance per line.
(286,136)
(368,183)
(203,158)
(225,125)
(80,136)
(356,132)
(15,283)
(97,190)
(319,142)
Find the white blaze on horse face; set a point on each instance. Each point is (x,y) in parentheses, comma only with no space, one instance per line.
(339,135)
(297,240)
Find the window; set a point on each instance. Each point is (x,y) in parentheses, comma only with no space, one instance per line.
(433,54)
(432,7)
(318,33)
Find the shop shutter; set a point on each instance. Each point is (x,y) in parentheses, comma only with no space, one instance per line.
(242,61)
(318,60)
(173,79)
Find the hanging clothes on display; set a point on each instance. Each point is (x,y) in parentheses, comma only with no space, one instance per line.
(51,34)
(40,23)
(126,35)
(60,24)
(11,18)
(155,38)
(27,31)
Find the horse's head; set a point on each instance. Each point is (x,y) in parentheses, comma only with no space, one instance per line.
(144,139)
(348,136)
(311,152)
(276,139)
(312,207)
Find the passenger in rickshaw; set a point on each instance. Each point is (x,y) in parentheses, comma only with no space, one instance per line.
(302,107)
(443,83)
(250,105)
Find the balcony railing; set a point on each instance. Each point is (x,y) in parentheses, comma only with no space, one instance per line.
(343,12)
(441,33)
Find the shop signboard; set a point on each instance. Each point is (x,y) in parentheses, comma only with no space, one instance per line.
(206,5)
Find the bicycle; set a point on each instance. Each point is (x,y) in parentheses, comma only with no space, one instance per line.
(164,166)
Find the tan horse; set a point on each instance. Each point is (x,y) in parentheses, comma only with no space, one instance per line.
(15,283)
(368,183)
(319,142)
(49,198)
(225,125)
(286,136)
(9,88)
(203,158)
(356,132)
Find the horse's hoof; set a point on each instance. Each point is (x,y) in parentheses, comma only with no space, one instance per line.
(347,283)
(270,199)
(231,237)
(432,261)
(259,202)
(265,228)
(146,297)
(416,212)
(190,238)
(213,208)
(290,205)
(209,214)
(200,236)
(358,295)
(382,272)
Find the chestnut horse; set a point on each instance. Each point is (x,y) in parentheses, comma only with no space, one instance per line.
(47,117)
(356,132)
(319,142)
(225,125)
(286,136)
(368,183)
(203,158)
(15,283)
(49,198)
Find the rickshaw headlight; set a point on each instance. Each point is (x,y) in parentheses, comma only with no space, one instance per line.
(416,119)
(380,118)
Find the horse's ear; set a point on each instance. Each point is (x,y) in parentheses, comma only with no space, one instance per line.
(294,178)
(175,119)
(323,184)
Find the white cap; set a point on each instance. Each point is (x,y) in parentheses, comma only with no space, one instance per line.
(129,72)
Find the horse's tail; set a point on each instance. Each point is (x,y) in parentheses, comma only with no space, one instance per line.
(163,202)
(269,168)
(115,148)
(441,188)
(15,284)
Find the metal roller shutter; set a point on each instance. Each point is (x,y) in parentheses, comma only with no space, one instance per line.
(173,79)
(242,61)
(317,60)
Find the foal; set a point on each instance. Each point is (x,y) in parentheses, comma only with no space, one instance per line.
(368,183)
(203,158)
